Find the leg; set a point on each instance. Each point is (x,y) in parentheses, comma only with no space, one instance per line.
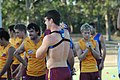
(84,76)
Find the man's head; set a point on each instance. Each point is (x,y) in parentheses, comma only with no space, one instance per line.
(20,30)
(11,30)
(34,30)
(52,16)
(4,36)
(86,31)
(93,28)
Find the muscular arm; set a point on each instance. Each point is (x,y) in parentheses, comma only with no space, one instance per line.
(81,55)
(44,47)
(18,52)
(103,47)
(71,58)
(9,60)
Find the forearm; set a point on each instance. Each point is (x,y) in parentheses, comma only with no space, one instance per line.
(83,55)
(5,68)
(21,59)
(95,53)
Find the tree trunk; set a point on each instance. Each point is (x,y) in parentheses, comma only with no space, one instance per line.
(108,34)
(118,20)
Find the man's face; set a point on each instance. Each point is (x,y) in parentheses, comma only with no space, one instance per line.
(32,34)
(47,23)
(86,34)
(19,33)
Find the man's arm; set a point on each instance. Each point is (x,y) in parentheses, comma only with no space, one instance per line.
(8,61)
(71,59)
(81,55)
(103,47)
(44,47)
(95,52)
(119,62)
(18,52)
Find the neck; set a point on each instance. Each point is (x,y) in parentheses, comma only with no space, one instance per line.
(86,40)
(54,27)
(36,40)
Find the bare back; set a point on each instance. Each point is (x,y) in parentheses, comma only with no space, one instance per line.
(57,56)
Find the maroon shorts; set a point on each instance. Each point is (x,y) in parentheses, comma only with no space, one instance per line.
(90,76)
(14,66)
(3,79)
(58,73)
(34,77)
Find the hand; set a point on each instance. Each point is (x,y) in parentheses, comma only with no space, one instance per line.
(101,66)
(73,71)
(88,44)
(13,74)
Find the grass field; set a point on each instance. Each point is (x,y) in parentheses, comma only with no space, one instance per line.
(109,73)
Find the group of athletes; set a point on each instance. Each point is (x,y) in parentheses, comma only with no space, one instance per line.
(50,56)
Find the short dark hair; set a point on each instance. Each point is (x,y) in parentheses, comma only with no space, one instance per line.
(93,25)
(34,27)
(4,34)
(20,27)
(53,14)
(11,28)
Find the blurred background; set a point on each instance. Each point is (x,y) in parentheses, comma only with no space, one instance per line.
(74,13)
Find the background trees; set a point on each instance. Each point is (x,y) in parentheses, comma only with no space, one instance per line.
(73,12)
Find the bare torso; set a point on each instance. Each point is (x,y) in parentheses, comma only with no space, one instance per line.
(57,57)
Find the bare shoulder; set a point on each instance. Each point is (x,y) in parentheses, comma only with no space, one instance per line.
(47,39)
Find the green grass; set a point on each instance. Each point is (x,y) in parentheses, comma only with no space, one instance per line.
(109,73)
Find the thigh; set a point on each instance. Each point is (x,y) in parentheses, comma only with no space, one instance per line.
(60,73)
(84,76)
(95,76)
(41,77)
(3,79)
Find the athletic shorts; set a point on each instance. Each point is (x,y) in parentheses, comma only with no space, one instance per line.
(3,79)
(35,77)
(58,73)
(14,66)
(89,76)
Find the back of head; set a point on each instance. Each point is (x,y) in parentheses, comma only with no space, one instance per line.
(34,27)
(4,34)
(86,27)
(20,27)
(93,25)
(11,28)
(53,14)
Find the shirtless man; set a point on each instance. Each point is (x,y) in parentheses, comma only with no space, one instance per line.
(57,44)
